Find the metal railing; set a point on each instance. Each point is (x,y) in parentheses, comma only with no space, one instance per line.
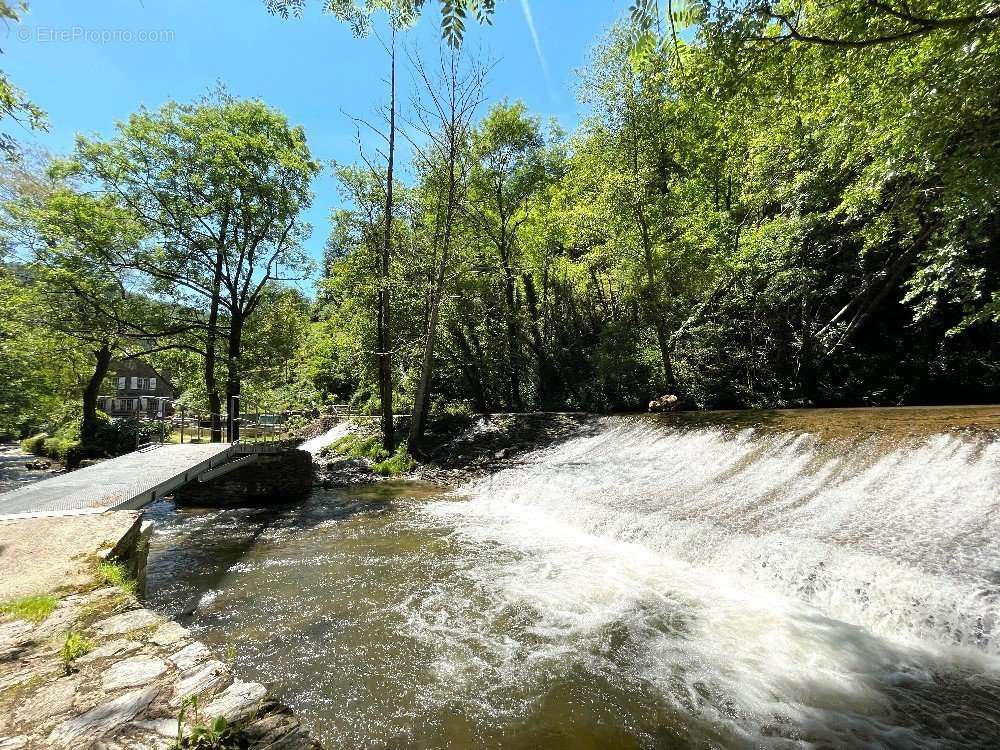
(245,421)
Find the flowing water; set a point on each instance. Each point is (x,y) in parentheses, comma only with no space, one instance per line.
(825,579)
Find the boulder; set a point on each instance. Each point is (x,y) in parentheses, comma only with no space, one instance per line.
(207,678)
(667,402)
(128,621)
(240,700)
(190,656)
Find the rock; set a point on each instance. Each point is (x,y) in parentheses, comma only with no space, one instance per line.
(134,672)
(117,647)
(207,678)
(52,700)
(668,402)
(128,621)
(13,743)
(170,633)
(190,656)
(14,633)
(83,731)
(162,727)
(240,700)
(277,731)
(20,677)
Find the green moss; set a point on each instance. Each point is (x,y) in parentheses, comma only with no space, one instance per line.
(13,696)
(32,608)
(399,463)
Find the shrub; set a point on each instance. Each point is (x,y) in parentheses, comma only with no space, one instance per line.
(121,435)
(64,445)
(35,444)
(399,463)
(361,446)
(31,608)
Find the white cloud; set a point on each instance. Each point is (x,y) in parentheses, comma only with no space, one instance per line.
(530,20)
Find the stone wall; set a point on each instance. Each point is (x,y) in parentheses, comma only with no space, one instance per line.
(268,480)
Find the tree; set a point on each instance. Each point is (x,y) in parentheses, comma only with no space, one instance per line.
(220,186)
(453,13)
(70,241)
(14,104)
(509,171)
(445,122)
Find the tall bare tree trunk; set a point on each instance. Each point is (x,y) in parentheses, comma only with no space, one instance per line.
(384,327)
(419,421)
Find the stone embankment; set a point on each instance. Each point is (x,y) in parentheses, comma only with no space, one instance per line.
(93,668)
(127,692)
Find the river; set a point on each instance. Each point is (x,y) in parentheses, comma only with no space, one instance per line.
(823,579)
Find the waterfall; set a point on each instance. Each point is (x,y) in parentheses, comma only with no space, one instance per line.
(764,575)
(316,444)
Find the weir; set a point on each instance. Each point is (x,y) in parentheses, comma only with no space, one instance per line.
(824,579)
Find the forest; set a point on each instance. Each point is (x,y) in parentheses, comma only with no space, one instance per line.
(768,204)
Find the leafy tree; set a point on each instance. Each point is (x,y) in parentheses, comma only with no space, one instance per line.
(220,186)
(14,104)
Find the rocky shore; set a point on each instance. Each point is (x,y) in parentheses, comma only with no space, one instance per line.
(458,452)
(126,690)
(84,665)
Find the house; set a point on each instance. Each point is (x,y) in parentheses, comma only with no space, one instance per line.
(136,388)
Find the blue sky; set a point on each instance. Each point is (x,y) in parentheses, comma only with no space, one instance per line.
(77,62)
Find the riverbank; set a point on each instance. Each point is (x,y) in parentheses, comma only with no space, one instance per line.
(455,451)
(83,664)
(13,470)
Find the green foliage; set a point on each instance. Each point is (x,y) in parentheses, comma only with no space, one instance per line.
(75,646)
(403,12)
(397,464)
(35,444)
(217,734)
(121,435)
(112,573)
(359,445)
(31,608)
(14,104)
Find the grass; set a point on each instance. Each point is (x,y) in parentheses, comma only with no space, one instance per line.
(115,574)
(370,447)
(75,647)
(360,446)
(31,608)
(398,463)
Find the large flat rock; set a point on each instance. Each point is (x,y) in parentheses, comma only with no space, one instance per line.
(40,555)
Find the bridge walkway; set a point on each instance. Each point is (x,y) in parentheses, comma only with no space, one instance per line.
(124,483)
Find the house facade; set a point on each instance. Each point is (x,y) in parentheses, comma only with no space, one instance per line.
(136,388)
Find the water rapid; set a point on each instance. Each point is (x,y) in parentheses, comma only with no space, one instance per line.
(645,584)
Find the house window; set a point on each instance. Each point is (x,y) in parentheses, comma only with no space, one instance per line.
(152,384)
(121,384)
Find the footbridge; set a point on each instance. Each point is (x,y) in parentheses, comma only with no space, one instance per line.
(131,481)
